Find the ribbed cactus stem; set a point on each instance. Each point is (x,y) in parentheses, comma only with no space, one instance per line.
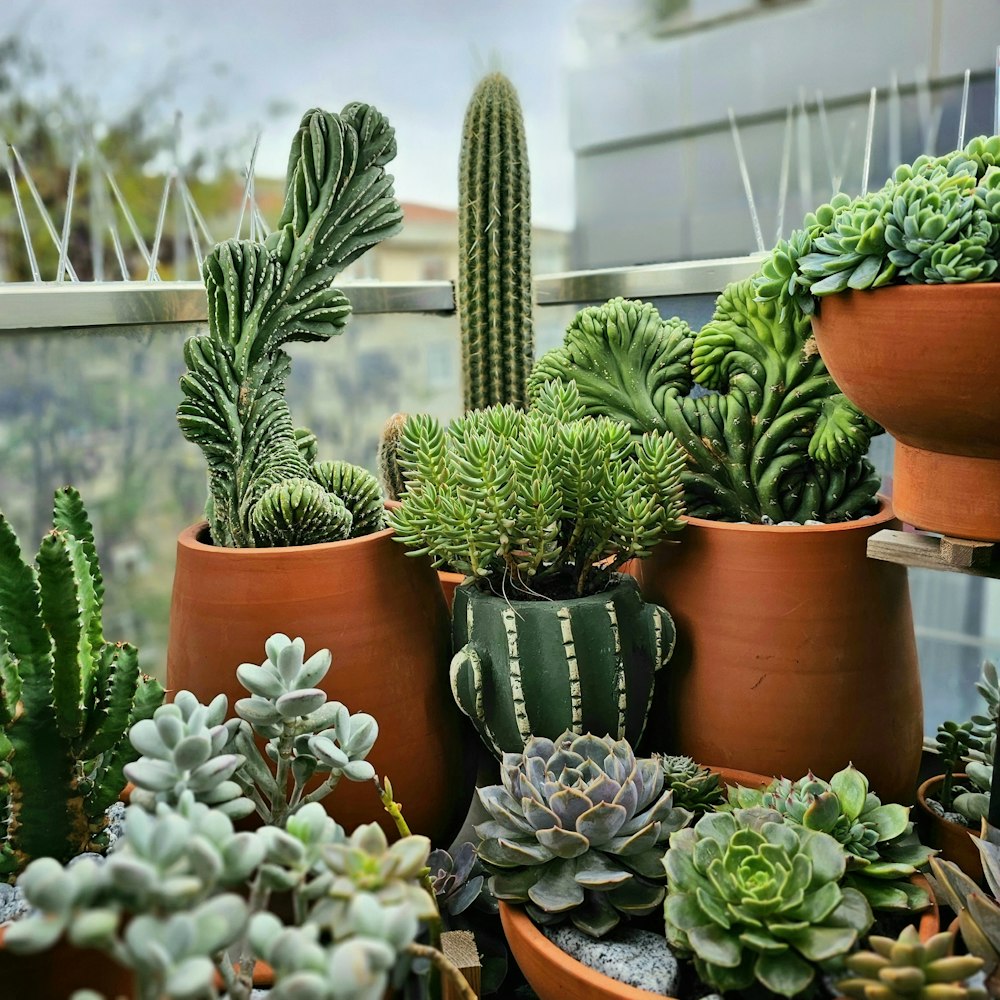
(390,474)
(494,222)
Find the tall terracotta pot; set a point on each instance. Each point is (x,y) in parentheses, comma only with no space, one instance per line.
(382,615)
(794,652)
(922,360)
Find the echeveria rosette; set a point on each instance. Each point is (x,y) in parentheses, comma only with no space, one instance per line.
(577,830)
(882,848)
(755,899)
(695,787)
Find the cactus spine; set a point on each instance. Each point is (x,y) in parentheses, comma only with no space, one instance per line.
(67,696)
(390,474)
(494,246)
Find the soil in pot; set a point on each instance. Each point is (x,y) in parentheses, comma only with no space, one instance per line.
(795,652)
(954,840)
(380,612)
(922,360)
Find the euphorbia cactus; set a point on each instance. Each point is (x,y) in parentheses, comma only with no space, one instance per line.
(776,440)
(67,695)
(264,490)
(494,249)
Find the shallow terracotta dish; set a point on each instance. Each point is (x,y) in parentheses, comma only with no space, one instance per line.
(923,361)
(795,651)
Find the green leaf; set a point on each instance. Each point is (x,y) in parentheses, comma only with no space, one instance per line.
(891,820)
(716,945)
(784,974)
(819,944)
(851,787)
(557,890)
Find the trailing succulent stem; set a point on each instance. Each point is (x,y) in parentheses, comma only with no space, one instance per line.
(774,439)
(494,249)
(265,488)
(67,695)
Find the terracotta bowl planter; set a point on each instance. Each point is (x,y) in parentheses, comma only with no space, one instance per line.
(954,841)
(382,615)
(794,651)
(922,360)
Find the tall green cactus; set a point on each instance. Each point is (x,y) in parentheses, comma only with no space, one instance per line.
(775,439)
(261,296)
(67,695)
(494,249)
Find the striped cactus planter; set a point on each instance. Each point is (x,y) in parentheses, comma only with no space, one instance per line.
(538,668)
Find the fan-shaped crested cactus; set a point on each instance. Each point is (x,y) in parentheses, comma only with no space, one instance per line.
(577,830)
(776,439)
(882,847)
(494,249)
(67,695)
(753,898)
(264,489)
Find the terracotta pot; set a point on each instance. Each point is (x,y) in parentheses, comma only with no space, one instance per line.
(382,615)
(922,360)
(538,668)
(57,973)
(450,582)
(953,840)
(794,652)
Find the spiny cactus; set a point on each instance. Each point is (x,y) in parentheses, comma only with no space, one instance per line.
(531,503)
(67,695)
(264,486)
(390,474)
(776,439)
(494,249)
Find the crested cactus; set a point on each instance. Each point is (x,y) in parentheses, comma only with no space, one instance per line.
(494,244)
(67,695)
(390,473)
(775,439)
(577,830)
(265,487)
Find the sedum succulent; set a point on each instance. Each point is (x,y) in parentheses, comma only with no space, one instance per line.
(696,788)
(531,503)
(755,899)
(895,969)
(882,847)
(577,830)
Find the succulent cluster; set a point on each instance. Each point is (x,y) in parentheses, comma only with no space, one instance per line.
(753,898)
(696,788)
(774,439)
(882,848)
(265,486)
(67,695)
(908,967)
(934,221)
(577,830)
(164,905)
(536,503)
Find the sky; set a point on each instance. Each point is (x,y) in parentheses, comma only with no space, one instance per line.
(416,60)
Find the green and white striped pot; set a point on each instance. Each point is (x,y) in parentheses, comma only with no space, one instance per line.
(538,668)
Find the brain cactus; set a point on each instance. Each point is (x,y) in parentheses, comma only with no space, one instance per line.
(882,848)
(265,488)
(577,830)
(907,967)
(774,439)
(753,898)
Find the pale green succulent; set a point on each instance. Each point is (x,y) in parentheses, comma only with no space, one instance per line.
(753,898)
(882,848)
(577,830)
(895,969)
(695,787)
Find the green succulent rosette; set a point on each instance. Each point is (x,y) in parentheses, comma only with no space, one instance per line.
(882,848)
(695,787)
(755,899)
(577,830)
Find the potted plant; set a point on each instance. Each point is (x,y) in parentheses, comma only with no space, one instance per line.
(291,542)
(67,697)
(902,286)
(778,608)
(493,291)
(540,509)
(164,905)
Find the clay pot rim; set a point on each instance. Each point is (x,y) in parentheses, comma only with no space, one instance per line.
(880,518)
(188,539)
(922,797)
(949,290)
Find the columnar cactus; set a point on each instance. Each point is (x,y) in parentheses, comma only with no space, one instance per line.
(390,473)
(494,249)
(264,490)
(775,440)
(67,695)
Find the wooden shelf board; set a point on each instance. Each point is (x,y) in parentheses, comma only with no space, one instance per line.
(922,551)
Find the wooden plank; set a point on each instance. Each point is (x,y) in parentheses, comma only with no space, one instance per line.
(460,949)
(921,551)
